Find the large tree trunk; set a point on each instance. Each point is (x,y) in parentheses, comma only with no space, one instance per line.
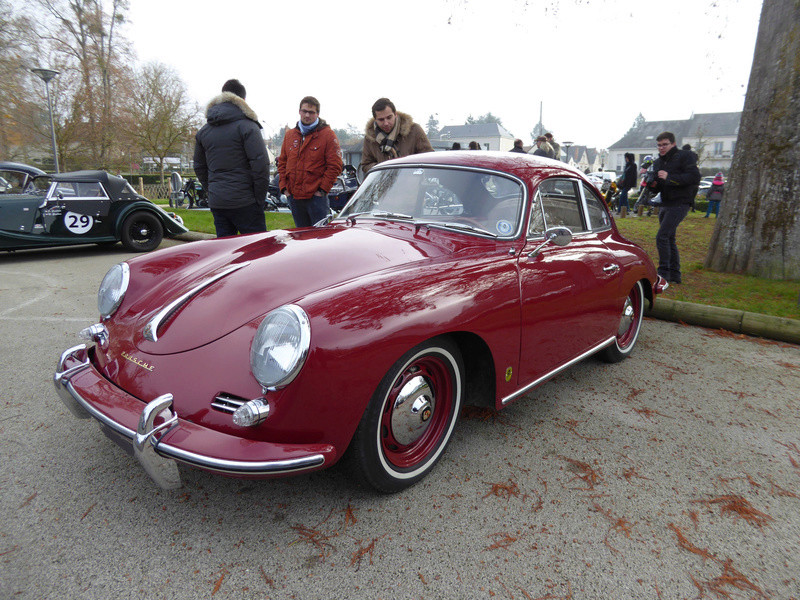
(758,231)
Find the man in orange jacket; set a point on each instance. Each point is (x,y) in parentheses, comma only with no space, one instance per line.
(309,163)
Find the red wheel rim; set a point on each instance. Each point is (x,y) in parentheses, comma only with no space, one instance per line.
(408,436)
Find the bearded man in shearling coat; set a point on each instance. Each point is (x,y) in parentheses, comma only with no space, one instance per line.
(391,134)
(231,162)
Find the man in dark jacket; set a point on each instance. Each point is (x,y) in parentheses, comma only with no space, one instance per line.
(628,182)
(518,147)
(231,162)
(677,175)
(309,164)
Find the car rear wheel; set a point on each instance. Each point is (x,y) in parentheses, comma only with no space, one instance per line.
(411,417)
(141,232)
(630,323)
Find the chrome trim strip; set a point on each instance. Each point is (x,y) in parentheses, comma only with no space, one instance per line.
(206,462)
(151,329)
(557,370)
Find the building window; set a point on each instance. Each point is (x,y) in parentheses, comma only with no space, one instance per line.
(717,148)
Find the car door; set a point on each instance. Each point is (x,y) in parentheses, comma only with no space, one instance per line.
(76,209)
(566,291)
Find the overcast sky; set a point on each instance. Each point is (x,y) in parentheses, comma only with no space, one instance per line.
(593,64)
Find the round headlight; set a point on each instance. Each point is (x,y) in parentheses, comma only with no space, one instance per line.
(280,346)
(112,289)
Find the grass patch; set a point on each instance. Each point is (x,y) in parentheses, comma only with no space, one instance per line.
(701,286)
(202,221)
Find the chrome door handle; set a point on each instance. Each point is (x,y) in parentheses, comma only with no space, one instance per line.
(611,268)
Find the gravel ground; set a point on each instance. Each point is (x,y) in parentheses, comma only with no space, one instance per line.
(675,474)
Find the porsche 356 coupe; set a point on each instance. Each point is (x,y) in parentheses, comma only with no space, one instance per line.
(449,279)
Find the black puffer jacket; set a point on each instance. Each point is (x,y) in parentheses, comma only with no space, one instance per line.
(629,175)
(682,177)
(230,157)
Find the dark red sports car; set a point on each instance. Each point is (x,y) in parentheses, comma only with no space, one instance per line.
(449,279)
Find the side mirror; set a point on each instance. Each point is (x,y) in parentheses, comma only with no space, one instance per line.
(560,236)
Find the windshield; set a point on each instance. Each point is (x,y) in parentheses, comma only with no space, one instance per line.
(472,201)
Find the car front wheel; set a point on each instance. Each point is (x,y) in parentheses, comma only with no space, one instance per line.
(141,232)
(630,323)
(411,417)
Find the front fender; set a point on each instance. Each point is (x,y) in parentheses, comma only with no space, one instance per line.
(171,226)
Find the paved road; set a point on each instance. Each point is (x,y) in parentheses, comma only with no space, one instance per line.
(675,474)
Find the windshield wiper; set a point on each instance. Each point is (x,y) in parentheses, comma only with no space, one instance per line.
(383,214)
(465,227)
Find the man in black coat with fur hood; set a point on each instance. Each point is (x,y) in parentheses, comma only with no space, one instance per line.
(231,162)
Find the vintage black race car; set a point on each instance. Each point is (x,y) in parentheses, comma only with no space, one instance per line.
(84,207)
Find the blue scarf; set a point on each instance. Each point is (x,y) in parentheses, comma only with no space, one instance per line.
(306,129)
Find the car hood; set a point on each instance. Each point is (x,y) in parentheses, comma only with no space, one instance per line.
(215,287)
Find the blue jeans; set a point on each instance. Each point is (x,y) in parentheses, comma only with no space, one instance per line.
(669,260)
(307,212)
(623,199)
(246,219)
(713,206)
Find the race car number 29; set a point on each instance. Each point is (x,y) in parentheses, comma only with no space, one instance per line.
(78,224)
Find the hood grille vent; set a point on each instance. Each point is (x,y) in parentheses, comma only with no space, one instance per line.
(227,403)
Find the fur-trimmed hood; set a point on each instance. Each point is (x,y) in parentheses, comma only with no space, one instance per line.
(229,107)
(405,121)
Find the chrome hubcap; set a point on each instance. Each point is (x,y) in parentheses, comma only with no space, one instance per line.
(412,410)
(627,317)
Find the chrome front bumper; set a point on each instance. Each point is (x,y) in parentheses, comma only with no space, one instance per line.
(157,457)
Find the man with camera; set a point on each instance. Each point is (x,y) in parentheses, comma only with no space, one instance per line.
(676,175)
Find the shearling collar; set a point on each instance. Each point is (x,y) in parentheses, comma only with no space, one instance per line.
(236,101)
(404,120)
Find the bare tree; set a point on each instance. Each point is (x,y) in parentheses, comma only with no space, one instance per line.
(18,110)
(83,35)
(160,116)
(758,230)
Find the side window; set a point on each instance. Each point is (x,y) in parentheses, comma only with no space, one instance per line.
(598,217)
(561,204)
(70,189)
(536,226)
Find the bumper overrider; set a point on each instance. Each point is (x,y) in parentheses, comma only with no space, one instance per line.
(159,438)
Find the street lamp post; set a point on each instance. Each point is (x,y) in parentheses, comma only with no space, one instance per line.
(567,145)
(46,75)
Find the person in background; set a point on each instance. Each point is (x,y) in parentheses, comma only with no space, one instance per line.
(230,160)
(628,181)
(456,146)
(474,145)
(543,148)
(677,176)
(517,146)
(714,195)
(554,145)
(309,163)
(688,148)
(391,134)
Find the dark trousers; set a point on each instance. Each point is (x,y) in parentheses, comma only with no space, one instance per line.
(669,260)
(307,212)
(246,219)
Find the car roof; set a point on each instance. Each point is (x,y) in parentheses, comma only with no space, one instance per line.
(13,166)
(526,166)
(114,185)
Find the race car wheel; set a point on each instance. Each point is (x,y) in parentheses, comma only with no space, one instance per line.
(411,417)
(141,232)
(629,325)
